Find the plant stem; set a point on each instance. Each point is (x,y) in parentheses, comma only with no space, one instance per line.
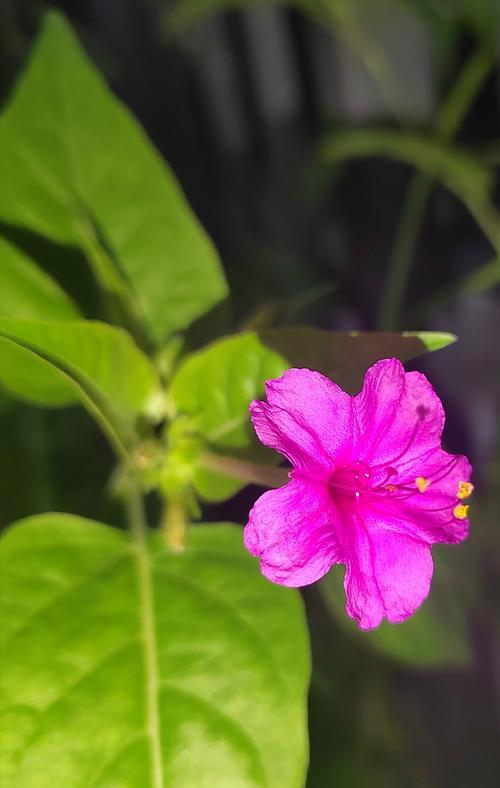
(136,516)
(175,523)
(118,300)
(407,233)
(448,121)
(137,526)
(250,472)
(457,104)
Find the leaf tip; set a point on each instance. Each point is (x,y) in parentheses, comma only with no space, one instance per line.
(433,340)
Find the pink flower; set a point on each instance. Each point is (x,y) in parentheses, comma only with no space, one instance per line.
(370,487)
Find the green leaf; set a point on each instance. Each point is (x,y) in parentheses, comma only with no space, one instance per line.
(437,634)
(345,356)
(29,293)
(120,204)
(126,665)
(98,363)
(29,377)
(432,340)
(214,387)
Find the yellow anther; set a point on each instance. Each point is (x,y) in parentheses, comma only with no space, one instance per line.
(460,511)
(465,490)
(422,483)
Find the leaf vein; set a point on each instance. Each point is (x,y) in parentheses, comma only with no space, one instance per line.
(198,589)
(67,590)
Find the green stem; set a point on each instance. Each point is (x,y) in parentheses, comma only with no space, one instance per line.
(110,283)
(448,122)
(175,523)
(138,528)
(470,79)
(136,515)
(119,302)
(407,233)
(250,472)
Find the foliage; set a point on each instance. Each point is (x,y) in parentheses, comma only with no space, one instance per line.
(154,656)
(179,654)
(124,210)
(437,633)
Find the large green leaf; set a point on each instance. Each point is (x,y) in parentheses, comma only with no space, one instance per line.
(126,665)
(78,168)
(97,363)
(27,292)
(437,634)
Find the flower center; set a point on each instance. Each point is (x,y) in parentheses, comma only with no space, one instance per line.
(351,481)
(358,481)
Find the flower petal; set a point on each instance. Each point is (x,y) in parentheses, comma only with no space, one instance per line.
(399,414)
(432,512)
(291,531)
(308,418)
(427,515)
(387,575)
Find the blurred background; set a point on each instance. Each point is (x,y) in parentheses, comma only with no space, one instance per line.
(343,155)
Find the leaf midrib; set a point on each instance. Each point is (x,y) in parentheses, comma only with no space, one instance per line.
(104,415)
(148,626)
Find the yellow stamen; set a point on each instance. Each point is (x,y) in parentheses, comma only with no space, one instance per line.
(465,490)
(460,511)
(422,483)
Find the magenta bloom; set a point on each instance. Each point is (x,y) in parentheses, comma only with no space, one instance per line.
(370,487)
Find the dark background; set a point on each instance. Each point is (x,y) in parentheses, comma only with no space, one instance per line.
(238,103)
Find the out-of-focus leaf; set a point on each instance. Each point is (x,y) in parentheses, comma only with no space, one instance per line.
(124,664)
(286,311)
(461,172)
(355,22)
(183,14)
(98,363)
(113,197)
(480,15)
(437,634)
(345,356)
(27,292)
